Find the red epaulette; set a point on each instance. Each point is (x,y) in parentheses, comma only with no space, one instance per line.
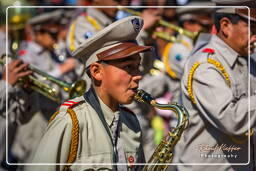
(127,110)
(84,14)
(208,50)
(70,104)
(22,52)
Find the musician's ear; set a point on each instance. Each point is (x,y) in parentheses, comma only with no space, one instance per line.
(225,27)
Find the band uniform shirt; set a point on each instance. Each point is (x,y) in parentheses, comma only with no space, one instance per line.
(220,113)
(94,143)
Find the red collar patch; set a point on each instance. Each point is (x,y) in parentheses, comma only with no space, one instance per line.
(22,52)
(69,103)
(208,50)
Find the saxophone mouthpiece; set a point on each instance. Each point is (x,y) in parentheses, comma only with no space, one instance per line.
(143,96)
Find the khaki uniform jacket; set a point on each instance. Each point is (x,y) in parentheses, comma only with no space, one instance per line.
(220,116)
(94,145)
(177,56)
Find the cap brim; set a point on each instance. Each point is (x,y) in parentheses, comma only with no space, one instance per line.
(122,50)
(243,12)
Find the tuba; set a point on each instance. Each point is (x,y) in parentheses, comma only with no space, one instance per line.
(163,153)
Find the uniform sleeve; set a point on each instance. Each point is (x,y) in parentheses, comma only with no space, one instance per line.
(178,55)
(54,146)
(218,105)
(21,105)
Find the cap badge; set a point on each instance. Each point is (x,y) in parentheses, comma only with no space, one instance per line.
(136,24)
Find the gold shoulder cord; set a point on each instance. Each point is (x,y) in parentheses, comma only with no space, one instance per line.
(222,70)
(190,78)
(72,36)
(91,20)
(219,66)
(166,61)
(74,136)
(193,69)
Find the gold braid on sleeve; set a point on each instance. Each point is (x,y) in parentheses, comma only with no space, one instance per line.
(217,64)
(190,79)
(74,139)
(72,36)
(222,70)
(226,76)
(74,136)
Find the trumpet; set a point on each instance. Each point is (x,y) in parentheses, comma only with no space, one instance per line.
(180,30)
(165,36)
(75,89)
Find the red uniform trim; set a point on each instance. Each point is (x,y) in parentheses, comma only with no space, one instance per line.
(84,14)
(22,52)
(69,103)
(208,50)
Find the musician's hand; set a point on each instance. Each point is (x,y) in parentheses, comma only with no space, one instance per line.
(150,17)
(16,70)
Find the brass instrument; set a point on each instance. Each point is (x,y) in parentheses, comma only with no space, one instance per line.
(158,67)
(75,89)
(163,153)
(17,18)
(165,36)
(180,30)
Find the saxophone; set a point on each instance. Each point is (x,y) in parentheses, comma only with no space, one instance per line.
(163,153)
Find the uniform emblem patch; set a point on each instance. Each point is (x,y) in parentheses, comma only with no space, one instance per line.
(131,159)
(178,57)
(136,24)
(88,34)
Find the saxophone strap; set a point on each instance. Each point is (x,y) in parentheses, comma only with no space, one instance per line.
(226,77)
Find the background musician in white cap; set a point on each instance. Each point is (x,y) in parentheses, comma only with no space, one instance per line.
(96,128)
(193,20)
(215,92)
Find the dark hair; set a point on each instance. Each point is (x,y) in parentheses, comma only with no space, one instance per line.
(53,32)
(87,70)
(234,18)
